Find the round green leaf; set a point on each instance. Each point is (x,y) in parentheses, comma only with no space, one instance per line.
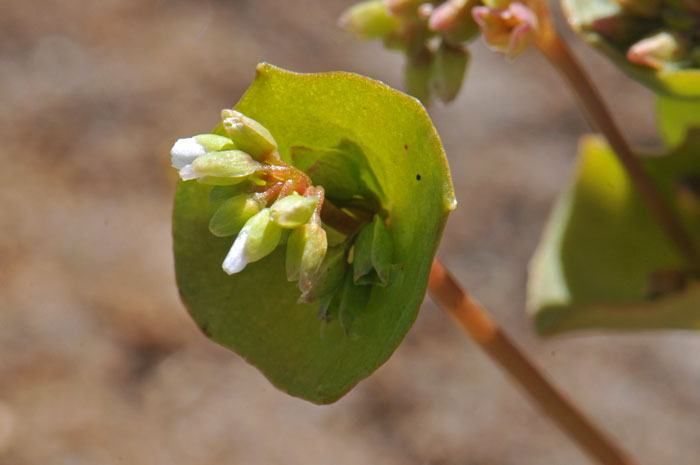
(673,82)
(604,262)
(255,313)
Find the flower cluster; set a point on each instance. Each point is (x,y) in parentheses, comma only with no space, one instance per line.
(265,202)
(658,34)
(434,34)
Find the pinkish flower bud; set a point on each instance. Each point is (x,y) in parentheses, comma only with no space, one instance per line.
(509,30)
(658,51)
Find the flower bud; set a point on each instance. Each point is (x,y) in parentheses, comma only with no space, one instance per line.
(328,277)
(306,248)
(248,135)
(417,74)
(233,214)
(449,70)
(369,20)
(220,168)
(293,210)
(658,50)
(373,253)
(258,238)
(508,30)
(187,150)
(454,22)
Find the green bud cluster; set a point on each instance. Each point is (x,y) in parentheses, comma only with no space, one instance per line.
(433,35)
(266,203)
(658,34)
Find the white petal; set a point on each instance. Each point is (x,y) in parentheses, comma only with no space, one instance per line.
(185,151)
(236,260)
(188,172)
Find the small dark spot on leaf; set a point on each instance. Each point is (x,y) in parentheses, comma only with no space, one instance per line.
(405,147)
(418,177)
(205,330)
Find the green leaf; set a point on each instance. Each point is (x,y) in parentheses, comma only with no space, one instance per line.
(591,17)
(675,118)
(604,262)
(254,312)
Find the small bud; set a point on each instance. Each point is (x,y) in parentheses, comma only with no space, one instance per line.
(233,214)
(328,277)
(509,30)
(450,67)
(369,20)
(306,248)
(248,135)
(185,151)
(417,74)
(293,210)
(454,22)
(258,238)
(373,253)
(658,50)
(220,168)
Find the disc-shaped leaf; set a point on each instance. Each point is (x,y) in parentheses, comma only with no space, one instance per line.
(604,262)
(255,312)
(607,27)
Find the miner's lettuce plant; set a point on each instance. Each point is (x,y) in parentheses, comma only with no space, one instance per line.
(305,224)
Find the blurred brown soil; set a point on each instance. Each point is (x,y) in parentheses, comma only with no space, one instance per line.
(99,362)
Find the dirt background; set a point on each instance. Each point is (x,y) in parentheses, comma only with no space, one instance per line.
(99,362)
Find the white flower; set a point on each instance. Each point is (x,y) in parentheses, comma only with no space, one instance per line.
(258,238)
(186,151)
(236,259)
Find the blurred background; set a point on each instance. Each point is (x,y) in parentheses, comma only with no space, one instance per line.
(99,361)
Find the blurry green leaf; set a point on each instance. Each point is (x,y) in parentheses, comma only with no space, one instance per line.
(604,262)
(605,25)
(255,312)
(675,117)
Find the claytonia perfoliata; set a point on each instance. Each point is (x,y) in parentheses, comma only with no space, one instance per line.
(267,203)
